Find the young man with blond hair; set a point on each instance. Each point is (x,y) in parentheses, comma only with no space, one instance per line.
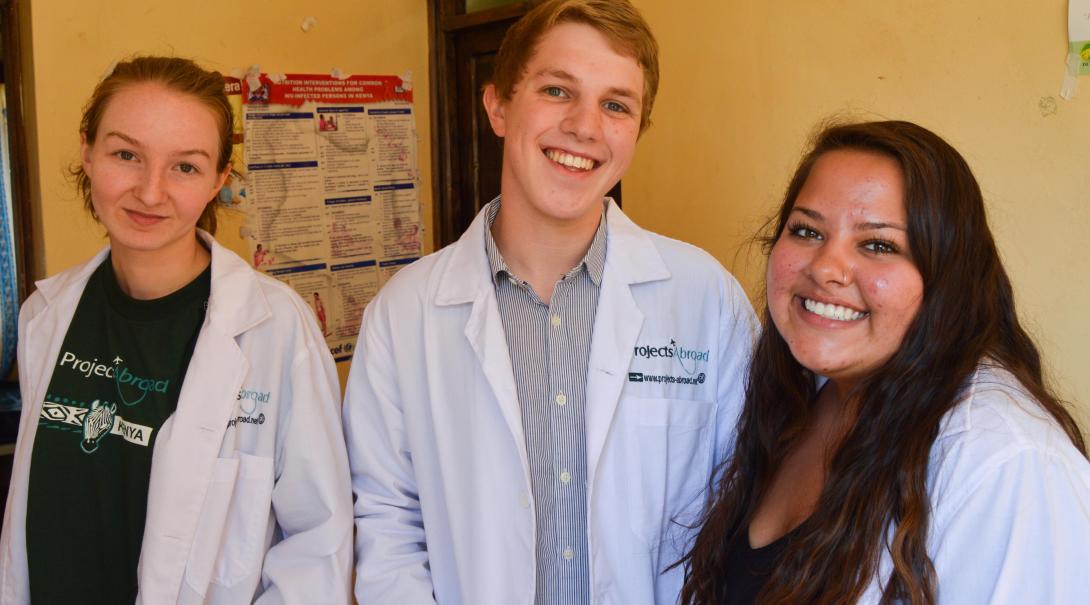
(535,410)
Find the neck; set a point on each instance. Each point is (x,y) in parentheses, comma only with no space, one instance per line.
(836,410)
(150,274)
(540,251)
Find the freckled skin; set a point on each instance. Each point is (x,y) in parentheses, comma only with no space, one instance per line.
(845,244)
(148,188)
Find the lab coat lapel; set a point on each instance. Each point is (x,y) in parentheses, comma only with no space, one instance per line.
(62,294)
(485,333)
(189,443)
(617,325)
(631,259)
(468,281)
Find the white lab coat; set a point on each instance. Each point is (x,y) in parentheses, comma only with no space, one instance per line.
(1010,503)
(436,444)
(259,509)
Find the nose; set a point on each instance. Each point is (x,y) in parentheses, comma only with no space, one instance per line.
(151,189)
(583,120)
(832,265)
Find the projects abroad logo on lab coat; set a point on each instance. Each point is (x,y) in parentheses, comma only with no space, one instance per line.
(249,400)
(688,359)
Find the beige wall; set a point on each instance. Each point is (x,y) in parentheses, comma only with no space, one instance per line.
(745,82)
(743,85)
(74,41)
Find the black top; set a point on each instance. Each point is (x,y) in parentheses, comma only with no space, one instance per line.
(116,380)
(748,569)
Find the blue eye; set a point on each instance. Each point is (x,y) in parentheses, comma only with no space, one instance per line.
(554,91)
(125,154)
(615,107)
(187,168)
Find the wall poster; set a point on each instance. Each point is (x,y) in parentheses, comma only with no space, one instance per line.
(329,190)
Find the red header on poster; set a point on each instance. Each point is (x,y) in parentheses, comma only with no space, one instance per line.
(296,89)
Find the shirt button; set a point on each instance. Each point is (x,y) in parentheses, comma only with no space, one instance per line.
(565,477)
(561,399)
(569,554)
(556,320)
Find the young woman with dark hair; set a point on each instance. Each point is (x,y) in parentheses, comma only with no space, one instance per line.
(898,441)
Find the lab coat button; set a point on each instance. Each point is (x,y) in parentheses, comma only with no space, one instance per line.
(524,499)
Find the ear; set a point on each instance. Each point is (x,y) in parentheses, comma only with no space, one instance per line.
(494,107)
(85,153)
(221,179)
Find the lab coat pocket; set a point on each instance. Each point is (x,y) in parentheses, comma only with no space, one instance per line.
(245,528)
(665,446)
(228,544)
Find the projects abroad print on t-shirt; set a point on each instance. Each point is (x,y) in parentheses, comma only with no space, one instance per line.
(101,417)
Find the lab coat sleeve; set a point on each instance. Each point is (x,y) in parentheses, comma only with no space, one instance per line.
(391,553)
(1021,535)
(737,334)
(311,497)
(14,574)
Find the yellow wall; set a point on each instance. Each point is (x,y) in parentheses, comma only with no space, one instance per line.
(74,41)
(743,85)
(745,82)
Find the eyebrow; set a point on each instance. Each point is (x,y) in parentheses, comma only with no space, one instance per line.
(868,226)
(614,91)
(134,142)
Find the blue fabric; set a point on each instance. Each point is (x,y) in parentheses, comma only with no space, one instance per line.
(9,287)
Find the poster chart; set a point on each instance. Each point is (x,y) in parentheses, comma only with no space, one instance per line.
(1078,46)
(330,190)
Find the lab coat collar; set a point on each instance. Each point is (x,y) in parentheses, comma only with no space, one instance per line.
(237,306)
(239,303)
(631,258)
(70,283)
(629,252)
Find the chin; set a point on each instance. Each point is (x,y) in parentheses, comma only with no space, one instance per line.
(572,210)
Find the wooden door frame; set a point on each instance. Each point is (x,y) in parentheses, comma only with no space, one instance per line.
(19,159)
(446,18)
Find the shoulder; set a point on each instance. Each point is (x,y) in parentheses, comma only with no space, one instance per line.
(416,282)
(31,307)
(62,288)
(694,272)
(676,253)
(997,416)
(246,301)
(994,435)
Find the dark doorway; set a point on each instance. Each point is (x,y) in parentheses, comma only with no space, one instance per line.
(467,156)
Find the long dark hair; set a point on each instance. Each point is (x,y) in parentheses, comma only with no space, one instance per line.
(874,480)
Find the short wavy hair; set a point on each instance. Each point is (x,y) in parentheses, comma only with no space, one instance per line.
(617,20)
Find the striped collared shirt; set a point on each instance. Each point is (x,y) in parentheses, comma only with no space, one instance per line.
(550,347)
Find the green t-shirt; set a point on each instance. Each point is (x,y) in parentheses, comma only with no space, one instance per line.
(116,381)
